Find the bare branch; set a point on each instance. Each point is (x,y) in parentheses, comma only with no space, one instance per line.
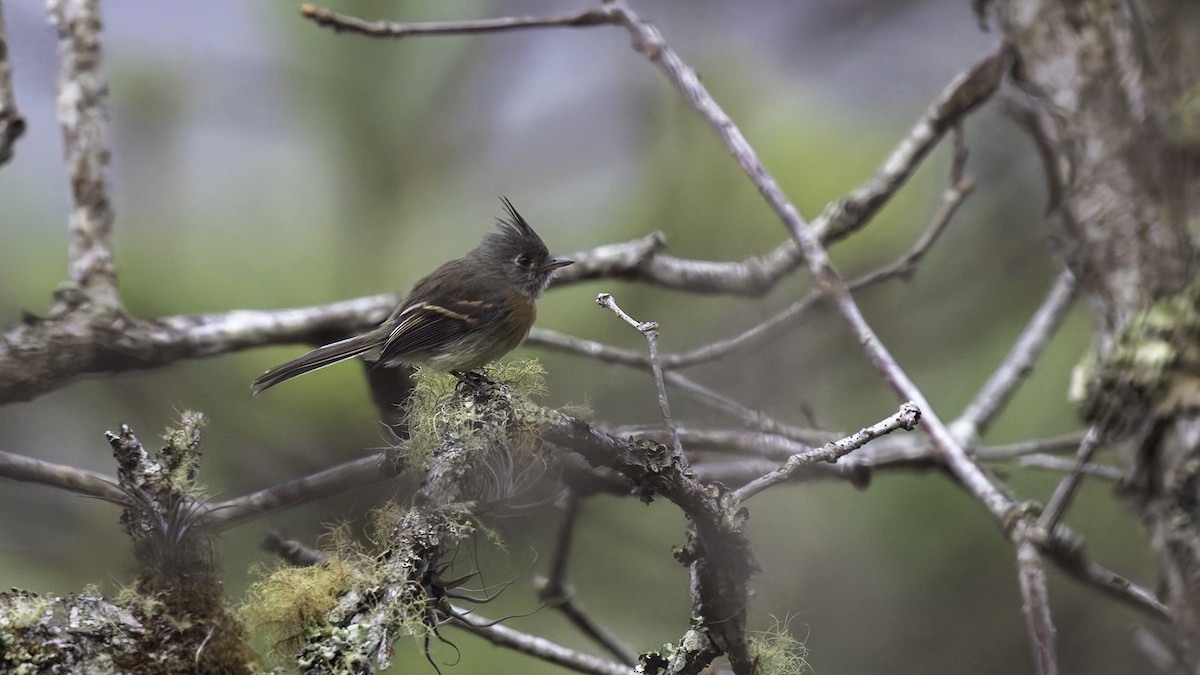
(758,274)
(974,87)
(87,483)
(393,29)
(325,483)
(739,472)
(1037,609)
(999,388)
(903,265)
(41,355)
(203,335)
(906,418)
(82,89)
(1051,463)
(964,93)
(1062,443)
(12,124)
(735,441)
(718,553)
(533,645)
(607,261)
(1056,508)
(544,337)
(649,42)
(649,329)
(559,594)
(1101,578)
(754,418)
(905,454)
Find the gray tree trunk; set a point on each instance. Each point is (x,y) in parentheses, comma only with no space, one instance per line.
(1110,90)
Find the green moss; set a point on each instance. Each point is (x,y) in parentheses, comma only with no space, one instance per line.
(437,409)
(1150,368)
(290,603)
(776,652)
(181,455)
(485,440)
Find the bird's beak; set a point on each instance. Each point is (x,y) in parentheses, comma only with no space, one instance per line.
(555,263)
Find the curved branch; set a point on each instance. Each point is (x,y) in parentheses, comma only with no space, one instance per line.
(535,646)
(80,481)
(324,483)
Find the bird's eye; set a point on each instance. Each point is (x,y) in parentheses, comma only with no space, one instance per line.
(523,260)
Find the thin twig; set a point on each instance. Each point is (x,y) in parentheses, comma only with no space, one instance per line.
(964,93)
(570,344)
(1037,609)
(733,441)
(1056,508)
(694,390)
(890,454)
(952,198)
(12,124)
(1064,443)
(558,593)
(394,29)
(553,585)
(903,265)
(968,91)
(88,483)
(1050,463)
(739,472)
(906,418)
(984,77)
(1114,585)
(1019,361)
(649,329)
(324,483)
(535,646)
(82,91)
(756,275)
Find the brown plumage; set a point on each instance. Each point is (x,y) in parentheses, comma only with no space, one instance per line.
(464,314)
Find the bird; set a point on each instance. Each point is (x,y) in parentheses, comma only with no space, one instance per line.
(466,313)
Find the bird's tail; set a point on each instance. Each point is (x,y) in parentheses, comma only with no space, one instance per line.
(318,358)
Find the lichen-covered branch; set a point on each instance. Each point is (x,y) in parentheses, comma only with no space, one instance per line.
(717,555)
(906,418)
(175,619)
(79,338)
(82,89)
(1107,91)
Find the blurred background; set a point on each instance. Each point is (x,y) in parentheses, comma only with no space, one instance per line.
(261,162)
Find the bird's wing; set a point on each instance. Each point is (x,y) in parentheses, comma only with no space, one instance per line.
(428,326)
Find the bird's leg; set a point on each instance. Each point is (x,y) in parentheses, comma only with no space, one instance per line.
(474,379)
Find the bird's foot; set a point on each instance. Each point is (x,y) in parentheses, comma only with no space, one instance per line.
(475,380)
